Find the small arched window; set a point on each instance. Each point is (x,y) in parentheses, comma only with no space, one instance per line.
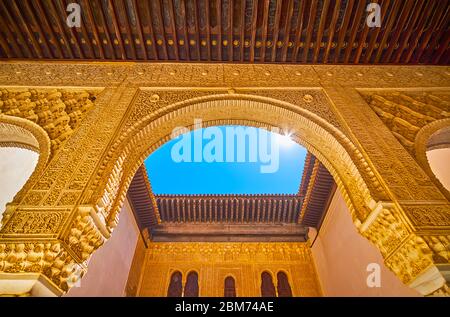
(191,287)
(283,287)
(267,286)
(175,286)
(230,287)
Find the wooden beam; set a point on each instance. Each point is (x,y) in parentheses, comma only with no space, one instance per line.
(262,56)
(298,31)
(228,232)
(332,30)
(186,37)
(11,22)
(219,26)
(387,31)
(152,33)
(323,18)
(276,31)
(5,46)
(61,13)
(115,25)
(208,29)
(140,32)
(253,28)
(400,25)
(34,44)
(442,7)
(287,30)
(388,20)
(82,34)
(197,31)
(437,37)
(343,30)
(419,8)
(174,31)
(94,29)
(128,30)
(28,8)
(163,30)
(418,32)
(442,48)
(354,29)
(242,32)
(61,29)
(230,30)
(309,30)
(16,50)
(362,41)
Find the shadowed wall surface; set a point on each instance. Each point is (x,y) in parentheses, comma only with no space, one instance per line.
(341,256)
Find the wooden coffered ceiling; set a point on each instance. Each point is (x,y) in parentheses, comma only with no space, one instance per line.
(283,31)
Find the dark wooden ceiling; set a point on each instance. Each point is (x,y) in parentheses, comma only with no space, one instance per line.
(286,31)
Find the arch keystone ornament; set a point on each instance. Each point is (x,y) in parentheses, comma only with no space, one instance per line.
(94,131)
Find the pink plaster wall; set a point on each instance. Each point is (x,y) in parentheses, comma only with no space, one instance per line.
(109,266)
(439,161)
(341,256)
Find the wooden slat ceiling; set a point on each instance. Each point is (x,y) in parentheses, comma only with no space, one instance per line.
(142,200)
(283,31)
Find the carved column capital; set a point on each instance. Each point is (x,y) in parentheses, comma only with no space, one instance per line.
(63,242)
(417,259)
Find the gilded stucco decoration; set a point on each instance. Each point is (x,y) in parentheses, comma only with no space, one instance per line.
(393,200)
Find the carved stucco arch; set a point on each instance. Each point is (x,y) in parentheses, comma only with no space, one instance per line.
(377,219)
(421,146)
(23,133)
(322,139)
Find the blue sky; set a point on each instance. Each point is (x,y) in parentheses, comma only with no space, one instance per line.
(170,177)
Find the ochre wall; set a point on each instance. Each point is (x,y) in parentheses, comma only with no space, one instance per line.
(108,268)
(216,260)
(341,256)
